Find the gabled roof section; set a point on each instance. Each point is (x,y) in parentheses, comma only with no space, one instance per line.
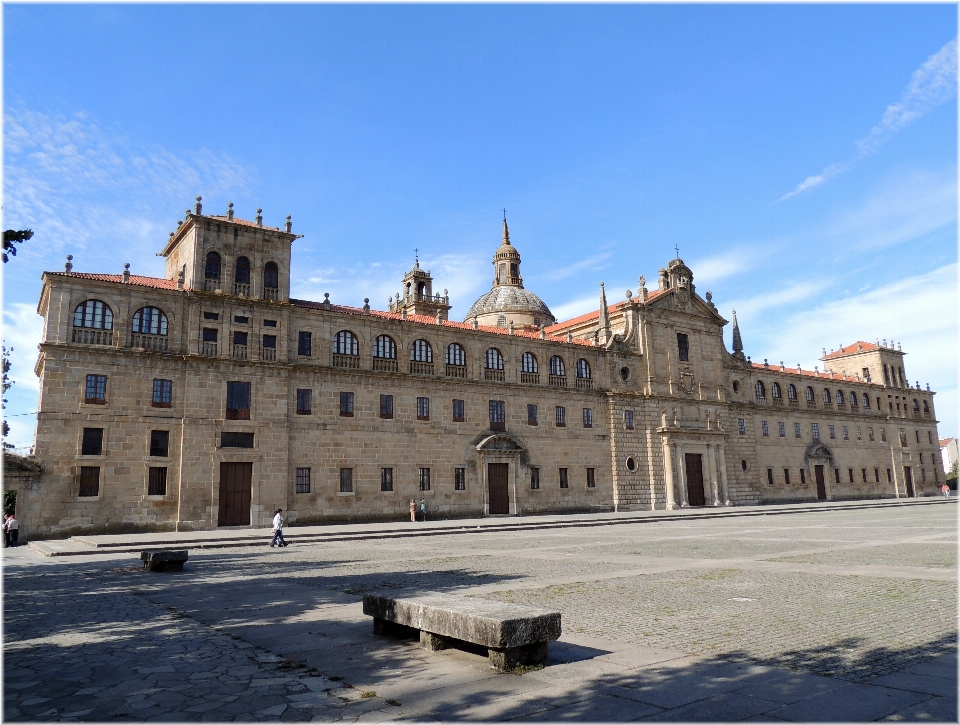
(595,315)
(859,346)
(135,279)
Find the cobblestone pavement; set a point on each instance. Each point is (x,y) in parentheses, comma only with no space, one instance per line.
(837,615)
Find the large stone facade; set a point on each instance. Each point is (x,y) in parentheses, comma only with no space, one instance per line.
(211,398)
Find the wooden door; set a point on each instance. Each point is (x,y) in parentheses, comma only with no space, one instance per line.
(908,476)
(497,474)
(236,480)
(821,484)
(695,495)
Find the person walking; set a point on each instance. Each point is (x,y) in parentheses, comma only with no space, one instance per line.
(946,490)
(13,529)
(277,529)
(423,509)
(6,534)
(413,510)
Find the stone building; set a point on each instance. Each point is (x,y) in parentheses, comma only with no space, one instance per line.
(210,398)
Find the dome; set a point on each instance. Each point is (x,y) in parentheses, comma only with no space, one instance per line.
(511,299)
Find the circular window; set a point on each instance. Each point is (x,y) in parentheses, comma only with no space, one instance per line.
(743,465)
(736,386)
(631,464)
(624,373)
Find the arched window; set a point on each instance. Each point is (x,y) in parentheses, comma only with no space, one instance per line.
(93,313)
(149,321)
(866,401)
(840,400)
(271,276)
(345,343)
(420,351)
(761,389)
(456,355)
(853,399)
(583,369)
(810,396)
(493,360)
(385,347)
(775,391)
(916,405)
(926,407)
(557,367)
(791,392)
(528,363)
(826,397)
(242,275)
(212,269)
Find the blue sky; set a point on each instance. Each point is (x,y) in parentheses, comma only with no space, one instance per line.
(802,157)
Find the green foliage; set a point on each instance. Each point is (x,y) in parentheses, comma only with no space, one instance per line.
(952,476)
(11,237)
(9,502)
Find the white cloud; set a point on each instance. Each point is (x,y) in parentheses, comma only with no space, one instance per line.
(22,331)
(931,85)
(735,261)
(590,264)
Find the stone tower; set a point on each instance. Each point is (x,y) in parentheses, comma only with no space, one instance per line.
(417,297)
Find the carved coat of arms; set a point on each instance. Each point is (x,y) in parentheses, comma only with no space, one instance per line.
(687,381)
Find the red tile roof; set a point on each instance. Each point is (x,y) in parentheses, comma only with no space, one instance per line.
(595,315)
(135,279)
(242,222)
(850,349)
(945,441)
(427,320)
(810,373)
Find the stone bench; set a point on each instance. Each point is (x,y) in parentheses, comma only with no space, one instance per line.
(513,634)
(163,560)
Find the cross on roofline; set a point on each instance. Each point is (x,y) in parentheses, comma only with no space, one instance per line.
(504,214)
(677,249)
(416,253)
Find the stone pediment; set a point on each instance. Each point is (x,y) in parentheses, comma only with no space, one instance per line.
(501,442)
(681,299)
(820,451)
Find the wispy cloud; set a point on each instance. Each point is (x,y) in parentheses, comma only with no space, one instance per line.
(727,264)
(591,264)
(932,84)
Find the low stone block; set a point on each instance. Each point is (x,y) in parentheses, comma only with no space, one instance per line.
(163,560)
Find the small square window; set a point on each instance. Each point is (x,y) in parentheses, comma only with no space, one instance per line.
(304,401)
(591,481)
(346,405)
(561,416)
(346,480)
(209,334)
(386,479)
(269,323)
(628,419)
(233,439)
(159,443)
(239,338)
(458,411)
(162,393)
(157,481)
(765,428)
(741,426)
(424,479)
(532,415)
(92,444)
(303,344)
(563,478)
(303,480)
(96,390)
(241,320)
(423,408)
(588,417)
(459,479)
(89,481)
(782,429)
(270,342)
(386,406)
(211,315)
(534,478)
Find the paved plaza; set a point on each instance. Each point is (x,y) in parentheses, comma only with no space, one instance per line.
(838,615)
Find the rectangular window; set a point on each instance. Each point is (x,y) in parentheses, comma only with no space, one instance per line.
(769,476)
(96,390)
(269,323)
(916,431)
(304,401)
(903,437)
(241,320)
(889,476)
(859,434)
(563,478)
(836,475)
(424,479)
(588,417)
(815,430)
(497,415)
(92,442)
(157,481)
(162,393)
(239,338)
(346,480)
(765,428)
(883,435)
(532,415)
(459,479)
(89,481)
(930,437)
(534,478)
(870,434)
(386,406)
(782,429)
(159,443)
(303,480)
(591,481)
(303,344)
(458,412)
(561,416)
(386,479)
(741,426)
(209,334)
(796,431)
(211,315)
(833,432)
(346,405)
(846,433)
(423,408)
(683,347)
(876,474)
(850,474)
(238,401)
(923,475)
(628,419)
(786,476)
(270,341)
(232,439)
(864,472)
(803,477)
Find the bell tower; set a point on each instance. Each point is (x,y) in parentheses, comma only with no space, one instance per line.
(417,298)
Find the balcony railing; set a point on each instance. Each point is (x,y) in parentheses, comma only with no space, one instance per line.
(271,293)
(240,351)
(208,348)
(557,381)
(761,400)
(269,354)
(386,366)
(530,378)
(585,383)
(346,361)
(421,368)
(456,371)
(241,290)
(841,406)
(811,403)
(149,342)
(211,285)
(87,336)
(794,402)
(777,401)
(494,375)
